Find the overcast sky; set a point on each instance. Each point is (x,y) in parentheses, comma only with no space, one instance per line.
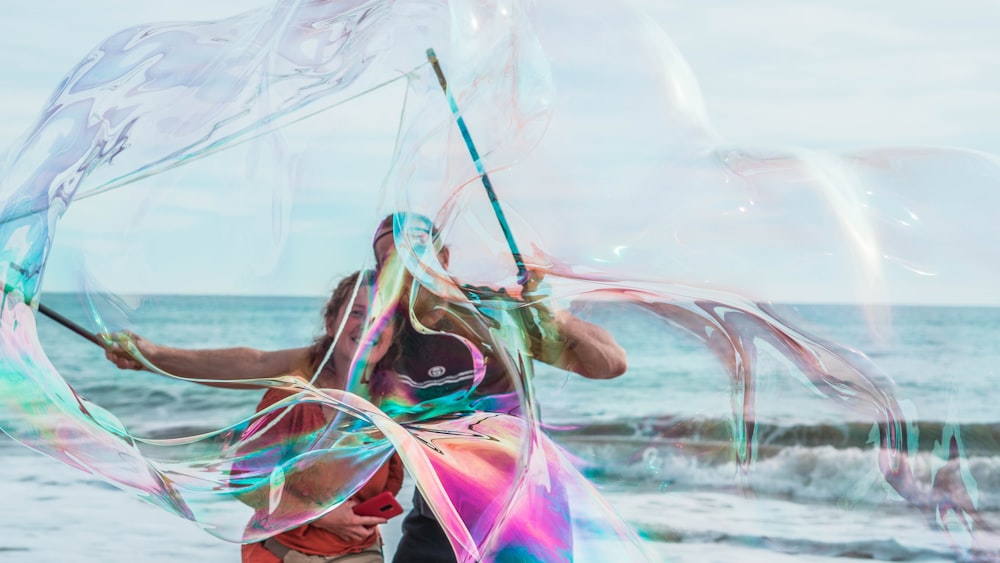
(815,74)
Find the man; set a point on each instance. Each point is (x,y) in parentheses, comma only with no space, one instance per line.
(433,365)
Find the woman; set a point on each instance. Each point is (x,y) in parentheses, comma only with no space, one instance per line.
(340,535)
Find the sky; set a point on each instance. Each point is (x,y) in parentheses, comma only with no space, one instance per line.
(821,75)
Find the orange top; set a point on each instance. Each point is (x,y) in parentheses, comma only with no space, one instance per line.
(301,420)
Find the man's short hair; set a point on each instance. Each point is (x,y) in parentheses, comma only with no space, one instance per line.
(411,221)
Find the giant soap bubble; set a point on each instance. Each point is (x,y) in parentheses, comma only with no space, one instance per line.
(657,229)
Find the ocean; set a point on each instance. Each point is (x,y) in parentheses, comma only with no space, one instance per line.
(657,441)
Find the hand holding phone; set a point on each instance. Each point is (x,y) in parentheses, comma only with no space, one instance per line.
(383,505)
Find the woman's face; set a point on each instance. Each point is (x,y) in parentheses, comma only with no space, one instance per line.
(347,345)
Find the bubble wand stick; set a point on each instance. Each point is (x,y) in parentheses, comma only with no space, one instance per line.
(70,324)
(63,321)
(522,271)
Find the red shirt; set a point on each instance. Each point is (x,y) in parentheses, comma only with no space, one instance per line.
(302,420)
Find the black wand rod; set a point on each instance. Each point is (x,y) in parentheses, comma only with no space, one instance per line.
(70,324)
(48,312)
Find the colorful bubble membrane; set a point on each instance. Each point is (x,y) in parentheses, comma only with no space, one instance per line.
(692,232)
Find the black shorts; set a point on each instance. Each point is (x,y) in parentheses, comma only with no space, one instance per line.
(424,541)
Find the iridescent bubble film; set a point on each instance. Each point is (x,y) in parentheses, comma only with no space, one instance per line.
(807,335)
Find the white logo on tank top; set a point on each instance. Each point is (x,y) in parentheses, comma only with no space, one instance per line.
(436,371)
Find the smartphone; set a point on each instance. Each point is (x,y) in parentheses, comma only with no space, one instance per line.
(383,505)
